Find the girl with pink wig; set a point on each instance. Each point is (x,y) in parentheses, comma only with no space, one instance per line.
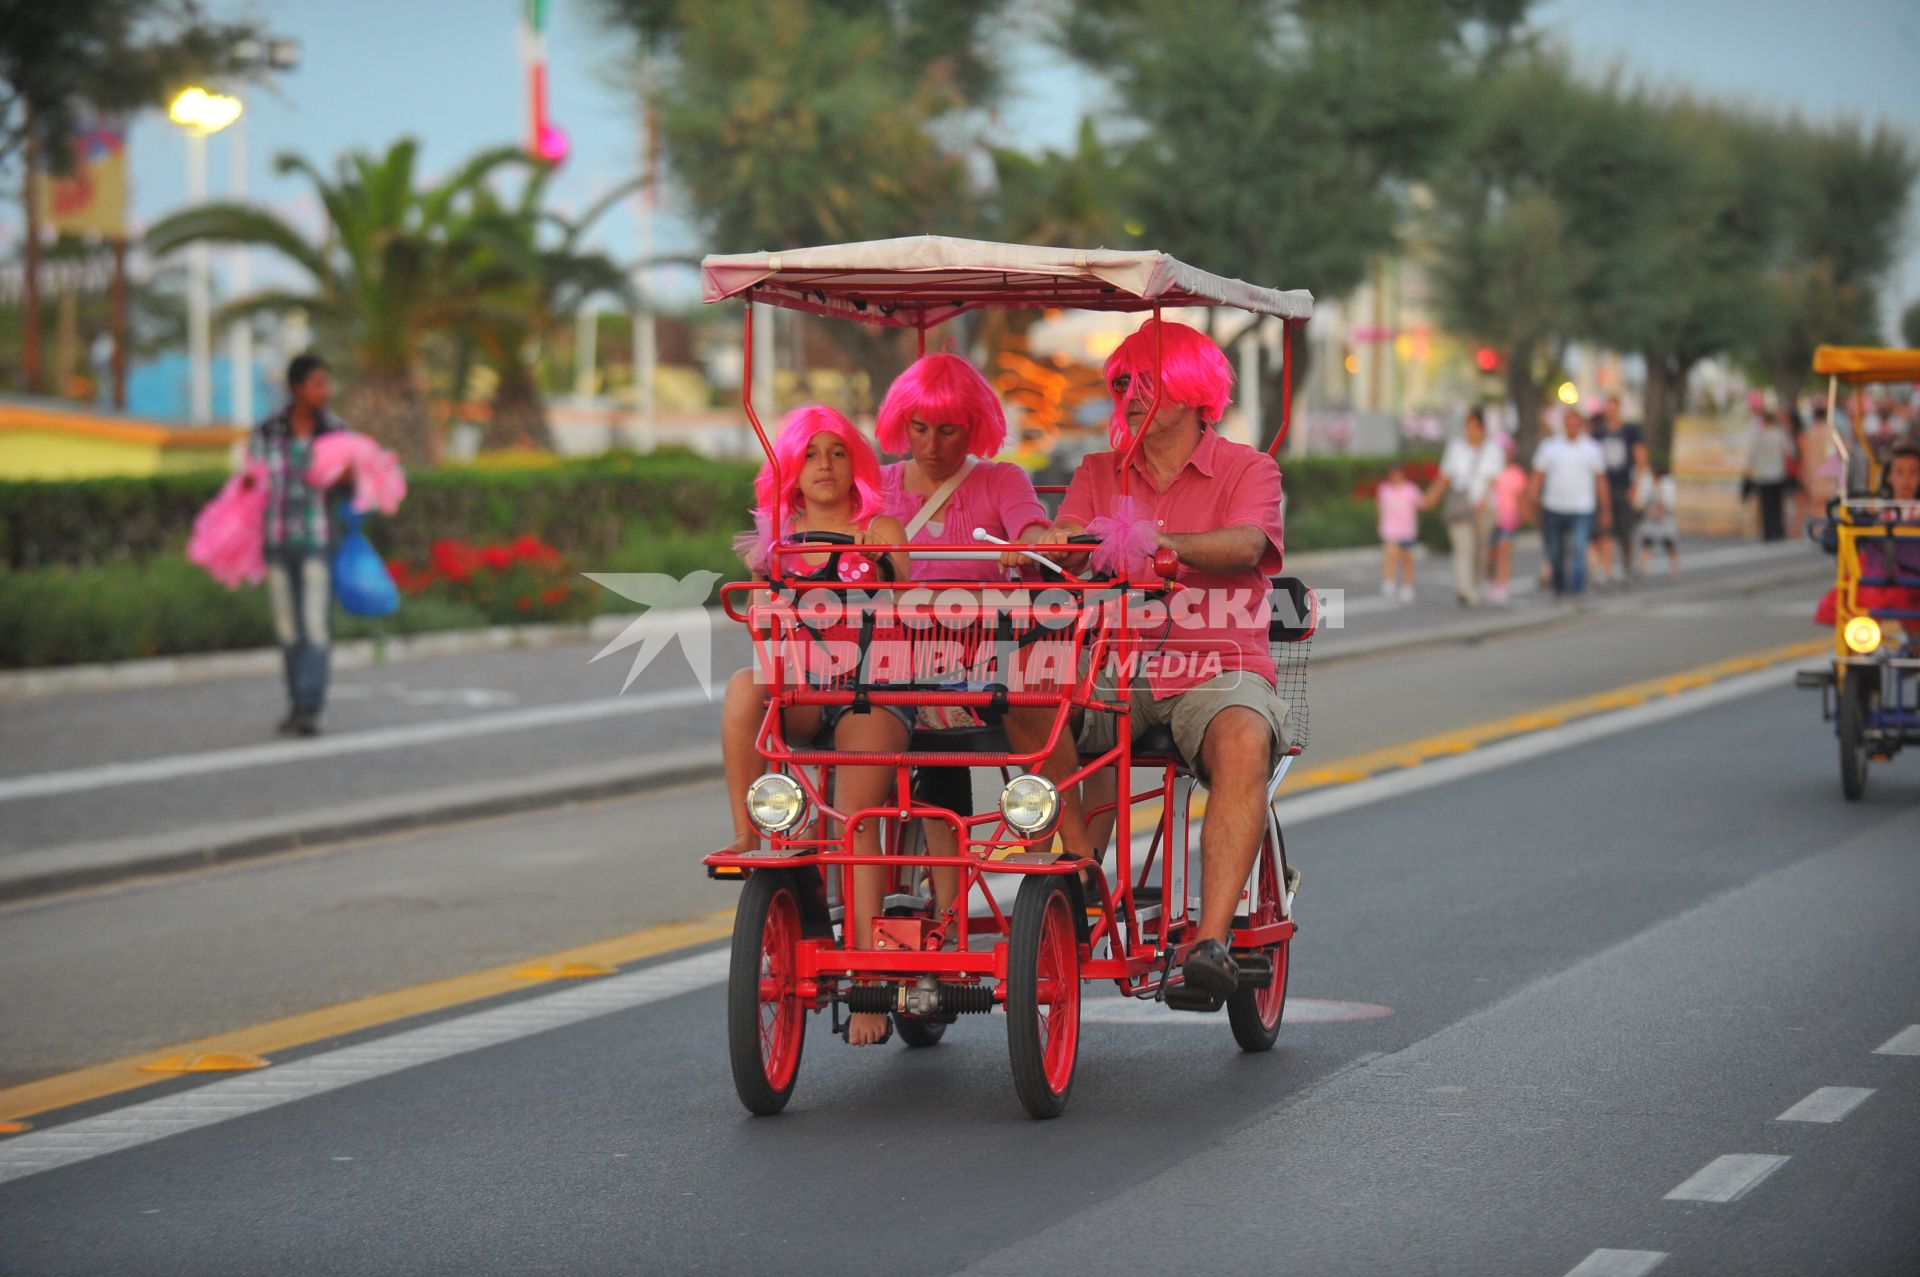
(828,481)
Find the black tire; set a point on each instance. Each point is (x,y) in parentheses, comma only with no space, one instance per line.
(919,1033)
(767,894)
(1248,1009)
(1850,718)
(1256,1013)
(1044,944)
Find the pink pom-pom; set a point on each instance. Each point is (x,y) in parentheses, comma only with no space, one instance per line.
(228,534)
(755,548)
(379,483)
(1127,539)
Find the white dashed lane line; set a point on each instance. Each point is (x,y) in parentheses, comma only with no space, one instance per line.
(1828,1104)
(1618,1263)
(1905,1042)
(1728,1178)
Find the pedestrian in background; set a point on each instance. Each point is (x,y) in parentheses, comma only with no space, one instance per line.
(1464,488)
(299,536)
(1398,499)
(1657,496)
(1569,490)
(1624,446)
(1509,501)
(1766,477)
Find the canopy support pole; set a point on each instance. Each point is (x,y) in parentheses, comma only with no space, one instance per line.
(746,402)
(1286,387)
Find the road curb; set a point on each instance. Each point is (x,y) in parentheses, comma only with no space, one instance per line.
(34,874)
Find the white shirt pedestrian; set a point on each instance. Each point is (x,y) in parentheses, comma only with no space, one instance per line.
(1568,468)
(1469,470)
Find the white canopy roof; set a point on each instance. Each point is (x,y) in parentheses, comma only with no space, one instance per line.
(924,280)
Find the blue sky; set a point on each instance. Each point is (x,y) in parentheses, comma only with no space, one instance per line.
(447,72)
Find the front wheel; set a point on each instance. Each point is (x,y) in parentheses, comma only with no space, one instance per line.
(1851,726)
(1043,995)
(766,1020)
(919,1033)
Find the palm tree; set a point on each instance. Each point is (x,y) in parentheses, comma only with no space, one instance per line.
(387,277)
(540,284)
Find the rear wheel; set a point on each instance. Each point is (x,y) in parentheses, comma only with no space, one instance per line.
(1850,717)
(1255,1013)
(766,1020)
(1043,995)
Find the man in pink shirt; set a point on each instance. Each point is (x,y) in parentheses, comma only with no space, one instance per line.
(1211,683)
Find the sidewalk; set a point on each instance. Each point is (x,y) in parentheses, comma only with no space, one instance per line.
(160,778)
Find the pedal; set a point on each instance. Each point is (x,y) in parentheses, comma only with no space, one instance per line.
(1813,678)
(1256,970)
(1181,998)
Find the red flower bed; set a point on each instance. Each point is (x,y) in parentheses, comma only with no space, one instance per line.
(524,579)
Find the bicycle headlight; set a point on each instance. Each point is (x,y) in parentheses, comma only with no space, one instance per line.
(1862,635)
(1031,805)
(776,804)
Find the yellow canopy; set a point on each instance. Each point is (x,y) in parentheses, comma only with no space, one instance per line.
(1867,363)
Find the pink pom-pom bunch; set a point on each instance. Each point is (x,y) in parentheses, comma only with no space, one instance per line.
(379,483)
(226,537)
(1128,539)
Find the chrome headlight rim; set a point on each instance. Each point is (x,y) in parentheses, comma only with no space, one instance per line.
(786,793)
(1014,797)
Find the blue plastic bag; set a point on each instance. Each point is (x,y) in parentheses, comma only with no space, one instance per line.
(360,580)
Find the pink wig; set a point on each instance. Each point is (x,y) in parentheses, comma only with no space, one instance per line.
(1195,371)
(797,430)
(942,389)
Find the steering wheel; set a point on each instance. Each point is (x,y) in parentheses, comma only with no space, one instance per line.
(856,567)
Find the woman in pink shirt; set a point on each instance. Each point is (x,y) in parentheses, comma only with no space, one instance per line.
(1399,500)
(942,413)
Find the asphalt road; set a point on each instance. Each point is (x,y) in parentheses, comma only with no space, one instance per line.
(432,732)
(1608,958)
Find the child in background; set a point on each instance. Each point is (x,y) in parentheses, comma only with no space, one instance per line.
(1509,496)
(1656,497)
(1399,500)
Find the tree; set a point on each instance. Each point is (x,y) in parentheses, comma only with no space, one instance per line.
(1276,141)
(540,284)
(384,280)
(1508,268)
(57,60)
(1910,325)
(1844,193)
(795,122)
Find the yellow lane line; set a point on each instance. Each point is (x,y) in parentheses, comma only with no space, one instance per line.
(100,1080)
(1460,740)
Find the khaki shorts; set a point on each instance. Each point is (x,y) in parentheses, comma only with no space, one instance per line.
(1186,714)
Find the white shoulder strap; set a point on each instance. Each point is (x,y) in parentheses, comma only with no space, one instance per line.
(937,499)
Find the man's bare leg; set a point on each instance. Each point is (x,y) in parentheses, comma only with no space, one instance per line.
(1238,751)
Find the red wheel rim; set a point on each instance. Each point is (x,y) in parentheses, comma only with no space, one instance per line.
(1057,994)
(782,1018)
(1271,1000)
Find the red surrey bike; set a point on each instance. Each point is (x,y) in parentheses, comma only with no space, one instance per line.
(1026,643)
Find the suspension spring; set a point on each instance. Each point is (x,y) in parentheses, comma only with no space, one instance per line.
(952,999)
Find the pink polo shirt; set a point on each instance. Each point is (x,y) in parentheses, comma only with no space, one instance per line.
(997,496)
(1221,626)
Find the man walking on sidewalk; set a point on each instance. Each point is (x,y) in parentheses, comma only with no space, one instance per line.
(299,540)
(1569,488)
(1624,446)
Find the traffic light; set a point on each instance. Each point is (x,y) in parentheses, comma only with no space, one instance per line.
(1487,359)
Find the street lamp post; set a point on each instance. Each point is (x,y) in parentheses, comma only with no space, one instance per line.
(201,114)
(240,331)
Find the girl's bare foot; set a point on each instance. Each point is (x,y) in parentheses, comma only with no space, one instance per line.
(742,844)
(864,1028)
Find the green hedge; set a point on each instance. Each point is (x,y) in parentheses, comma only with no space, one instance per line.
(586,509)
(590,510)
(96,570)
